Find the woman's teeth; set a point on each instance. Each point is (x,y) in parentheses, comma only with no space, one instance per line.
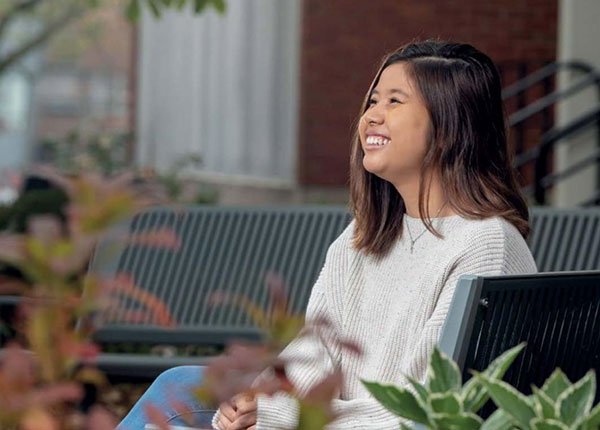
(377,140)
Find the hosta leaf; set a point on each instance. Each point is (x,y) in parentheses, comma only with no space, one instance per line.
(446,403)
(576,401)
(473,393)
(544,406)
(510,400)
(499,420)
(547,424)
(420,389)
(398,401)
(467,421)
(556,384)
(592,421)
(443,374)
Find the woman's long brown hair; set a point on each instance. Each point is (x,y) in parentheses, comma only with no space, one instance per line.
(461,90)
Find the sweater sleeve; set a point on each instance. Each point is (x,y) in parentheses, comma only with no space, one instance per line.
(310,359)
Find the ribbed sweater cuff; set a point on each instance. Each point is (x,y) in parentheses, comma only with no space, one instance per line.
(278,412)
(215,419)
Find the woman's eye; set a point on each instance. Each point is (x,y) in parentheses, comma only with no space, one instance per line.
(395,100)
(371,102)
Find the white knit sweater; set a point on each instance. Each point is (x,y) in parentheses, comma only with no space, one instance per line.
(393,308)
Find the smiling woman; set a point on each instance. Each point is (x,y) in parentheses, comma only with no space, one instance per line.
(430,139)
(433,115)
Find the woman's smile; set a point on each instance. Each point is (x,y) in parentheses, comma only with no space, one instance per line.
(375,142)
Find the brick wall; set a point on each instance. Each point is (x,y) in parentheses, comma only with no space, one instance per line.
(343,42)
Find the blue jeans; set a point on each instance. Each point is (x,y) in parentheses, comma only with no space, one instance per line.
(172,384)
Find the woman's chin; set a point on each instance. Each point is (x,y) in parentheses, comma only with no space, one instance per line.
(372,166)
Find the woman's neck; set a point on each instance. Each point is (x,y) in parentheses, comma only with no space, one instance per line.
(438,202)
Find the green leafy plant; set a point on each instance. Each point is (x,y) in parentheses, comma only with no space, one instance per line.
(443,402)
(558,405)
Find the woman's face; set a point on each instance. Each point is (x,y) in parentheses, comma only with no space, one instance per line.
(394,129)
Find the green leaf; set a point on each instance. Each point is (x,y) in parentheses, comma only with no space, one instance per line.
(199,5)
(577,400)
(443,374)
(398,401)
(510,400)
(547,424)
(556,384)
(153,5)
(405,427)
(592,421)
(466,421)
(133,11)
(220,6)
(420,389)
(499,420)
(543,404)
(447,403)
(473,393)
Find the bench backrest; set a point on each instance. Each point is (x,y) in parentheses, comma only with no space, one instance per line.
(231,249)
(565,239)
(225,250)
(557,314)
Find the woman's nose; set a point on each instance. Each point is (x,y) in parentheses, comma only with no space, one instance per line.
(374,115)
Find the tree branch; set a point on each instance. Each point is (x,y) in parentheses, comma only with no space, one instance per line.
(37,40)
(21,7)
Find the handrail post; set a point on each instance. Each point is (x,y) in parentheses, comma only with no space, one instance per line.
(541,170)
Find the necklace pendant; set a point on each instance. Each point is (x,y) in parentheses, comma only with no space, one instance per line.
(412,245)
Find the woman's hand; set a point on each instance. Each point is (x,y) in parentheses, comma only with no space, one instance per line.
(245,414)
(227,414)
(238,414)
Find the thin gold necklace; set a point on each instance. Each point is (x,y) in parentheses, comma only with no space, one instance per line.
(412,241)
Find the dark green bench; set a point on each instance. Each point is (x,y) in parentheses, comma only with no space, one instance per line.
(223,249)
(232,249)
(557,314)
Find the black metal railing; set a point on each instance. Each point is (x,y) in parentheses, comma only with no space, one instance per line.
(539,155)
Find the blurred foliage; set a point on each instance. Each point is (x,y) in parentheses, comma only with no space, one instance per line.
(43,390)
(241,370)
(108,154)
(46,18)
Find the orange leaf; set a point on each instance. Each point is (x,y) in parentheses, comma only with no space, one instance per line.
(100,419)
(156,416)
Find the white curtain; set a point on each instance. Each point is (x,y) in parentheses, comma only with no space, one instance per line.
(221,86)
